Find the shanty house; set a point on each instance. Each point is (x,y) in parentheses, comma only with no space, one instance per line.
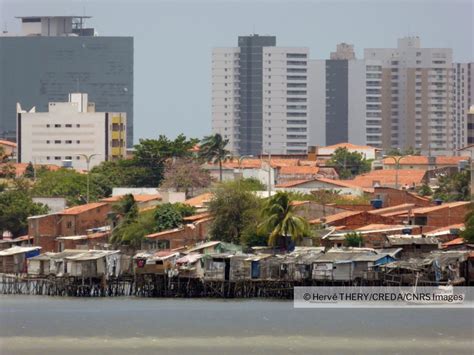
(190,266)
(413,244)
(159,262)
(94,263)
(14,260)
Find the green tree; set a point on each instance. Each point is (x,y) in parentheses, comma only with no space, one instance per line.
(129,230)
(468,232)
(167,217)
(354,240)
(425,190)
(151,154)
(281,222)
(454,187)
(252,184)
(15,208)
(29,171)
(235,210)
(213,150)
(349,164)
(67,183)
(185,175)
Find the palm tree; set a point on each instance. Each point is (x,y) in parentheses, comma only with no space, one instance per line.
(281,221)
(213,150)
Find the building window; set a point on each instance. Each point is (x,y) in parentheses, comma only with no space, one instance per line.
(47,126)
(57,158)
(57,142)
(69,125)
(78,142)
(69,225)
(47,142)
(78,125)
(57,126)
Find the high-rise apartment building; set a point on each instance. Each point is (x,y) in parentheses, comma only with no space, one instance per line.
(260,96)
(71,132)
(345,99)
(285,100)
(53,56)
(416,96)
(463,99)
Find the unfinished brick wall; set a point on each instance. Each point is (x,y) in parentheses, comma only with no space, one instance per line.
(393,197)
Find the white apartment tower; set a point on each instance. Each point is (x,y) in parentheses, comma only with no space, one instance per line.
(225,95)
(416,96)
(285,100)
(463,78)
(260,97)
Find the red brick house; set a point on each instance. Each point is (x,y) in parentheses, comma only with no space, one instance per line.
(73,221)
(352,220)
(187,235)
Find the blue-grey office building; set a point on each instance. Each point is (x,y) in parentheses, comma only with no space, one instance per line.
(54,56)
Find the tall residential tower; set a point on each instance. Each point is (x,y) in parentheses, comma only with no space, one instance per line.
(416,96)
(260,96)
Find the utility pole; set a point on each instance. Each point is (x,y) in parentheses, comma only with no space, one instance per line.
(396,159)
(88,159)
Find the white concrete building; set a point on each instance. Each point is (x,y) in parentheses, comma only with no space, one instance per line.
(68,132)
(416,96)
(260,97)
(225,95)
(463,79)
(285,100)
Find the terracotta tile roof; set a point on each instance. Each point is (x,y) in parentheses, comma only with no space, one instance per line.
(377,226)
(388,176)
(138,198)
(255,163)
(423,160)
(299,170)
(7,143)
(447,205)
(405,207)
(447,228)
(197,217)
(335,217)
(20,168)
(339,183)
(293,183)
(199,200)
(349,146)
(457,241)
(82,208)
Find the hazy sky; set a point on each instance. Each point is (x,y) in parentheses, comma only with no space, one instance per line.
(174,39)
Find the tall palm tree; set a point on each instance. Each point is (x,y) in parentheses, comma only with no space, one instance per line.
(280,220)
(213,150)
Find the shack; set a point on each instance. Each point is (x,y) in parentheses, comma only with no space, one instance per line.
(14,260)
(413,245)
(155,262)
(94,263)
(437,268)
(190,266)
(225,267)
(349,265)
(51,263)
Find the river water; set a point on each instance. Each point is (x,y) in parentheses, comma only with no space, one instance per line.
(48,325)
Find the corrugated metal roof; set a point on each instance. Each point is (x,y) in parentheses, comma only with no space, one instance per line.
(17,250)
